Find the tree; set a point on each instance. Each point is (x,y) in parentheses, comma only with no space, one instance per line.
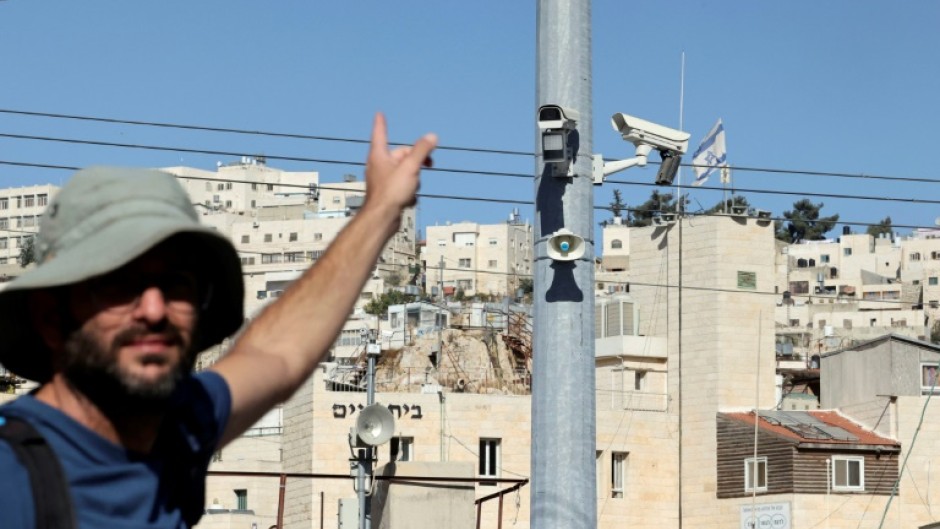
(379,306)
(725,206)
(526,285)
(617,206)
(884,226)
(27,254)
(804,223)
(657,203)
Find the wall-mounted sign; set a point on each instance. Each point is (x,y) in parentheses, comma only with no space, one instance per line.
(765,516)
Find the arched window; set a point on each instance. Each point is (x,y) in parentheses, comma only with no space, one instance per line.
(616,244)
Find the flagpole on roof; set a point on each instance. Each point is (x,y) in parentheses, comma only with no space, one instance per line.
(679,206)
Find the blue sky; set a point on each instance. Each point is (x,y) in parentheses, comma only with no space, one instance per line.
(838,86)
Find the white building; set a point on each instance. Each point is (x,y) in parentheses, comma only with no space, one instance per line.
(478,259)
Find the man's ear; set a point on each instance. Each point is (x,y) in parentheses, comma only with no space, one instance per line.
(45,308)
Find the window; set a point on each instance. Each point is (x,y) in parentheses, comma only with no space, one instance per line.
(318,236)
(755,474)
(4,203)
(30,201)
(639,380)
(3,243)
(846,252)
(268,238)
(220,187)
(932,281)
(254,187)
(401,449)
(747,280)
(228,203)
(489,458)
(245,239)
(616,244)
(216,199)
(241,499)
(270,187)
(493,242)
(4,223)
(19,201)
(491,263)
(464,262)
(618,467)
(824,258)
(915,256)
(292,237)
(848,473)
(928,378)
(228,185)
(441,242)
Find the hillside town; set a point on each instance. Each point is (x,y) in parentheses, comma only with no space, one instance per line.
(739,379)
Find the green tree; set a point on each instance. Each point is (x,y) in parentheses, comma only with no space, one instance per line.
(656,204)
(27,252)
(725,205)
(526,285)
(883,226)
(379,306)
(617,208)
(805,223)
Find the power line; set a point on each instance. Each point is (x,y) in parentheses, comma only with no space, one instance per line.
(441,169)
(205,128)
(650,212)
(162,148)
(798,193)
(244,131)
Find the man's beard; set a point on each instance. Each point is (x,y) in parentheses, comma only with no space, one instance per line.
(94,370)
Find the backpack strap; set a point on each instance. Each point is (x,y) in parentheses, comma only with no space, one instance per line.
(51,496)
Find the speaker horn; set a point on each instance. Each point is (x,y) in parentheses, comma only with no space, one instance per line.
(563,245)
(375,425)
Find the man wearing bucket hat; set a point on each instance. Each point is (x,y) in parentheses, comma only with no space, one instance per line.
(128,288)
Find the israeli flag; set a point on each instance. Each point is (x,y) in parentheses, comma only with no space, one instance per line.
(711,155)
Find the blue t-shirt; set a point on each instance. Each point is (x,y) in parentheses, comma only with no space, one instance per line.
(111,486)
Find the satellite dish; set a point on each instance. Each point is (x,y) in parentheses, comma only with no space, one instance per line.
(375,425)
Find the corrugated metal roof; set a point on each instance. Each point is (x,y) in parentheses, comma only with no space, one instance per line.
(817,427)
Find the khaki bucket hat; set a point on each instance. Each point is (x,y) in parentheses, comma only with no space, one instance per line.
(102,219)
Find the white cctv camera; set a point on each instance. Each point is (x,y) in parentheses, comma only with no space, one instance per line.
(557,117)
(646,136)
(641,132)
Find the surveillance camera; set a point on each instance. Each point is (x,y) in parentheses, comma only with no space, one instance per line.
(641,132)
(668,168)
(554,117)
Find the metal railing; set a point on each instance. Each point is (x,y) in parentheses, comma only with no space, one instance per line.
(411,380)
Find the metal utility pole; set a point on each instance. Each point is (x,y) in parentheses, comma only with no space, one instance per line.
(365,456)
(563,492)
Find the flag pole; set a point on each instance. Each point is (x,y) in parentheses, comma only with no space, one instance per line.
(680,208)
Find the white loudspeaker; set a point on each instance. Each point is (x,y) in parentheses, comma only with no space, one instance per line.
(375,425)
(563,245)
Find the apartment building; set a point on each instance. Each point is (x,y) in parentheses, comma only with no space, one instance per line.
(20,211)
(478,259)
(281,222)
